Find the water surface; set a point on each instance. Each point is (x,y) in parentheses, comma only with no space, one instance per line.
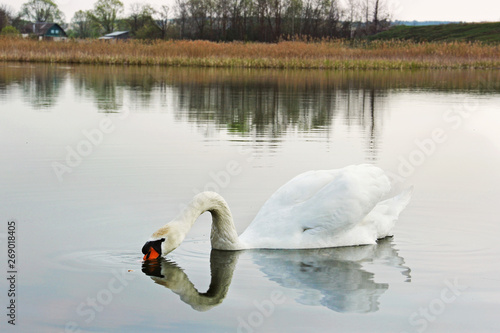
(96,158)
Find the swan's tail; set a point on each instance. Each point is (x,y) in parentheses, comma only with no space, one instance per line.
(386,213)
(400,201)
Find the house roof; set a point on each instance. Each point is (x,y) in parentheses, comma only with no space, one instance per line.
(41,28)
(116,34)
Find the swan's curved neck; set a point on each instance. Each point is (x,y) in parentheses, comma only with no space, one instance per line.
(223,235)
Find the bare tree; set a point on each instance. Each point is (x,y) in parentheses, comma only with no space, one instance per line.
(366,6)
(162,21)
(270,20)
(381,15)
(198,11)
(262,16)
(241,12)
(182,15)
(352,18)
(376,13)
(332,19)
(140,15)
(278,11)
(223,17)
(293,16)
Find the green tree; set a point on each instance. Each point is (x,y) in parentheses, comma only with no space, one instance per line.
(5,16)
(9,31)
(82,24)
(106,13)
(148,31)
(42,11)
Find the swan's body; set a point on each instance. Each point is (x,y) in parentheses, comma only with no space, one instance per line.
(316,209)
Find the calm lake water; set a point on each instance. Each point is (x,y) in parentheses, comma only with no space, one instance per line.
(94,159)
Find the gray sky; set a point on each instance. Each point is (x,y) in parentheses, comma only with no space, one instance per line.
(420,10)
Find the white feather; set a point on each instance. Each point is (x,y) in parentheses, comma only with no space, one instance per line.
(316,209)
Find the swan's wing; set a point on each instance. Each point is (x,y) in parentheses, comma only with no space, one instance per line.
(299,189)
(319,204)
(345,201)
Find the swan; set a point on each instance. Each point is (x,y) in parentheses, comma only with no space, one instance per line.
(316,209)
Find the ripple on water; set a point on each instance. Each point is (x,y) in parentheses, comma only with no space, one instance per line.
(440,237)
(97,260)
(190,251)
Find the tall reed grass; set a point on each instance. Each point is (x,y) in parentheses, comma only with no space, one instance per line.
(328,54)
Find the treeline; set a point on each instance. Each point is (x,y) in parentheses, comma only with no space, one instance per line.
(215,20)
(270,21)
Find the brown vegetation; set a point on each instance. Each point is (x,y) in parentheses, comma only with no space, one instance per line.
(331,54)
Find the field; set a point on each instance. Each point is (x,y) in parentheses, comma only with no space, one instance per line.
(332,54)
(464,32)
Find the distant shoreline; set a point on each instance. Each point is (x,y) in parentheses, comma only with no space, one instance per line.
(335,54)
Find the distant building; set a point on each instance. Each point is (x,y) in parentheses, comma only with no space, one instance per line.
(44,30)
(116,35)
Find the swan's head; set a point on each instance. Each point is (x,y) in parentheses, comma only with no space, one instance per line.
(153,249)
(162,242)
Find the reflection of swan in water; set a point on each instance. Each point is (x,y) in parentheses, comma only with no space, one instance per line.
(166,273)
(333,277)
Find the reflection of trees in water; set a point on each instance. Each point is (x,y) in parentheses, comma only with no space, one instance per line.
(370,118)
(264,103)
(269,108)
(43,87)
(108,84)
(40,85)
(258,103)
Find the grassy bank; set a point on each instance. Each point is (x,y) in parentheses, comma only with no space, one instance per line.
(463,32)
(326,54)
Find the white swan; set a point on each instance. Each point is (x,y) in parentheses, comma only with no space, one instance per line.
(316,209)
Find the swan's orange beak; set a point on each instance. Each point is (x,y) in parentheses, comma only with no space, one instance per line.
(152,254)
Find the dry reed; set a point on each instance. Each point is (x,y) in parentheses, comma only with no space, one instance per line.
(333,54)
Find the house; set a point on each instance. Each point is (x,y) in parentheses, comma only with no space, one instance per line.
(116,35)
(44,30)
